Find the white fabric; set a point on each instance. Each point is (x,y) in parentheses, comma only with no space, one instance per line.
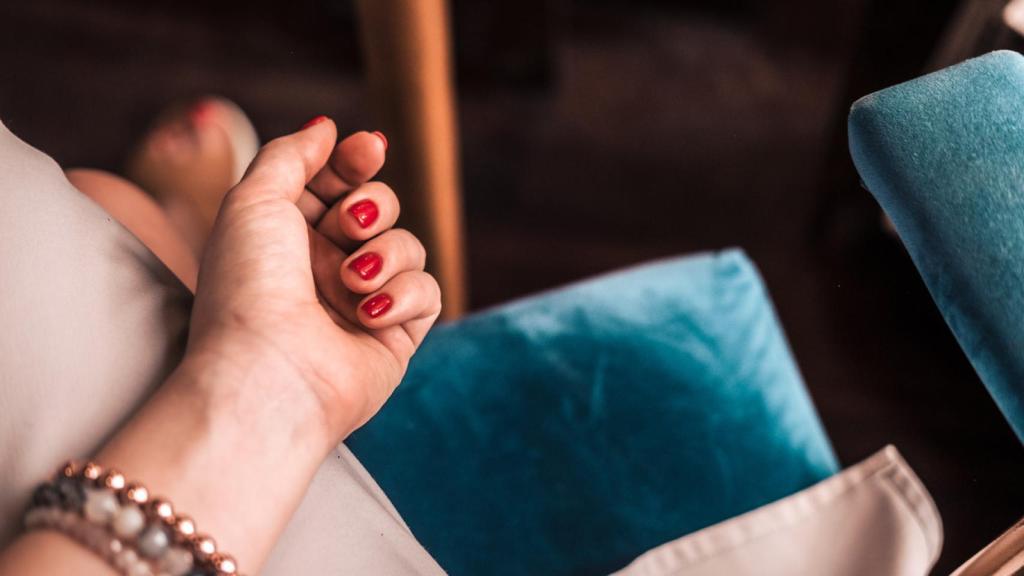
(873,518)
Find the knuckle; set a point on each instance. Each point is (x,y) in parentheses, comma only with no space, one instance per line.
(411,245)
(434,302)
(431,285)
(404,236)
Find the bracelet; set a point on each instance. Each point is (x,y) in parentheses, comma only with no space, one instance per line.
(93,537)
(138,535)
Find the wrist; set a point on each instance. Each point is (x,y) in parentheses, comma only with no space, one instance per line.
(253,391)
(226,443)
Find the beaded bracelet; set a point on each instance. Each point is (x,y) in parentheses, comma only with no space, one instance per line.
(93,537)
(138,535)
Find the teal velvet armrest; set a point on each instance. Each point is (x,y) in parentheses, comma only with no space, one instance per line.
(944,156)
(570,432)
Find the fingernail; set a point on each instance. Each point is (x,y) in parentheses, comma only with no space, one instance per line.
(381,135)
(377,305)
(367,266)
(365,212)
(314,121)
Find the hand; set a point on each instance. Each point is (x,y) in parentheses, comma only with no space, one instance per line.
(281,305)
(290,349)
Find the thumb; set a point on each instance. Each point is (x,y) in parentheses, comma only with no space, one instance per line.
(284,165)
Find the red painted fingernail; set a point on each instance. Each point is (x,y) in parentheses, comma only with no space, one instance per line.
(314,121)
(365,212)
(381,135)
(367,266)
(377,305)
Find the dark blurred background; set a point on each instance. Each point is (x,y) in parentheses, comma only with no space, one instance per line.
(596,135)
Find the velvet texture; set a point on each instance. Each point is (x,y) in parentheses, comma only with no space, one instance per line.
(570,432)
(944,156)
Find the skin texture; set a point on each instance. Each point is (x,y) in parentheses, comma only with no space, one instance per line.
(282,363)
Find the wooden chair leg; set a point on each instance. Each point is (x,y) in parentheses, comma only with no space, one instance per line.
(406,46)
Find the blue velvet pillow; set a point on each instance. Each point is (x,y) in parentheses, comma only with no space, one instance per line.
(944,156)
(570,432)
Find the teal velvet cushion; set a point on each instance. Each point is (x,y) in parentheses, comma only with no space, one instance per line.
(944,156)
(570,432)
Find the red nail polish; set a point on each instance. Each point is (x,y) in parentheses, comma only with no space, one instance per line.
(201,112)
(365,212)
(381,135)
(377,305)
(314,121)
(367,266)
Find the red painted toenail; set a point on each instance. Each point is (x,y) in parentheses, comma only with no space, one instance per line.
(383,138)
(367,266)
(201,111)
(314,121)
(365,212)
(377,305)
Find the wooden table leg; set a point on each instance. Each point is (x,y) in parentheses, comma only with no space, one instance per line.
(406,45)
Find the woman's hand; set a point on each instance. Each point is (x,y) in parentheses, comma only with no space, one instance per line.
(306,293)
(298,336)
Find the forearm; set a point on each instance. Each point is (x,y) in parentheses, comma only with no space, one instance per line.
(224,447)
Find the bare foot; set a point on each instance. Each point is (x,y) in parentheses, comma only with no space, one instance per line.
(190,158)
